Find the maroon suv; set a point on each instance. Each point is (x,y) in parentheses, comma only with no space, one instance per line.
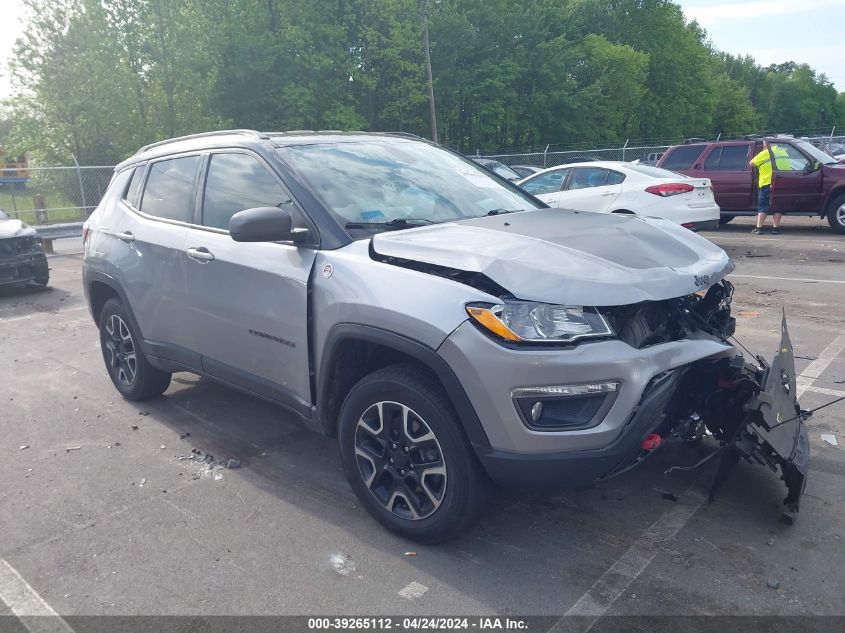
(805,180)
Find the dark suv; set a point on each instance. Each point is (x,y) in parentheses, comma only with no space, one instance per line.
(808,182)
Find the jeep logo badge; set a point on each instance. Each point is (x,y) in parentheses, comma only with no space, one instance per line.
(702,280)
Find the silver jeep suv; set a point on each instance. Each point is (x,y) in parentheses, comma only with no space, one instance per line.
(450,330)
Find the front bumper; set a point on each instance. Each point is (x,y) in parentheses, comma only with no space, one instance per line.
(24,267)
(581,468)
(489,372)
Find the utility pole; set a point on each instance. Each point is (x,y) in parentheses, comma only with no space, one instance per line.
(424,15)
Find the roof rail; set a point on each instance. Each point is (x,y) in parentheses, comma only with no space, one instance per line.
(408,134)
(187,137)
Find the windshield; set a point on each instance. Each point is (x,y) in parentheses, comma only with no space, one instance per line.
(815,153)
(377,185)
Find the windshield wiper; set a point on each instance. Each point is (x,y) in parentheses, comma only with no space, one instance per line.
(502,211)
(397,223)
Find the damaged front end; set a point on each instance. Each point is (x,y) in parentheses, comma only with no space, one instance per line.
(751,409)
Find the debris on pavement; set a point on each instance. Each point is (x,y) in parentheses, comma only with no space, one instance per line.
(143,412)
(143,481)
(233,463)
(72,448)
(829,439)
(24,447)
(218,476)
(134,427)
(413,591)
(668,496)
(770,542)
(773,584)
(343,564)
(410,553)
(163,446)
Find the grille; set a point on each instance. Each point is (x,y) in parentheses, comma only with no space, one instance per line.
(15,245)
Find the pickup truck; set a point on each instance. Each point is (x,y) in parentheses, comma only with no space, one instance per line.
(808,182)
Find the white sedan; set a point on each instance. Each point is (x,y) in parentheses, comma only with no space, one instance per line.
(617,187)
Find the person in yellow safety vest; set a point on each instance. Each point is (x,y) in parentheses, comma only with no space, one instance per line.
(763,163)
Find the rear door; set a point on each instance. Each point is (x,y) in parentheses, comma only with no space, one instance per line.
(728,169)
(249,300)
(591,189)
(148,251)
(547,186)
(794,186)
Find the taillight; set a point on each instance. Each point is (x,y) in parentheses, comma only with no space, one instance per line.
(85,231)
(672,189)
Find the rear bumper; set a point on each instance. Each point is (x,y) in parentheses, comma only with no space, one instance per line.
(18,269)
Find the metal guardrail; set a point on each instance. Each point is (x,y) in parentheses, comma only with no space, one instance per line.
(50,232)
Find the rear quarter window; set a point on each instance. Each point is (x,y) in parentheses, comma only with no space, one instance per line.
(682,157)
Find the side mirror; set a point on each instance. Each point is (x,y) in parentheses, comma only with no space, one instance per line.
(264,224)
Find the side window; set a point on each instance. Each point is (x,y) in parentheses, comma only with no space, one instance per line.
(169,192)
(682,157)
(549,182)
(236,182)
(788,158)
(130,194)
(615,178)
(712,162)
(734,158)
(585,177)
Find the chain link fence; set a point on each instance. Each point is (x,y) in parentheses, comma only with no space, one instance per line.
(644,152)
(48,195)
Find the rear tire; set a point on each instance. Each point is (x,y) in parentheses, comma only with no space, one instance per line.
(406,457)
(836,214)
(128,367)
(725,219)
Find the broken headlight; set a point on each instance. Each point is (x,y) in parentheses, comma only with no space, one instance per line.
(527,321)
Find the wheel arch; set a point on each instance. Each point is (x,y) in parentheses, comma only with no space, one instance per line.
(353,351)
(99,288)
(834,194)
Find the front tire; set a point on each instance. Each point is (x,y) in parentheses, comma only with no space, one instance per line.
(725,218)
(836,214)
(128,368)
(406,457)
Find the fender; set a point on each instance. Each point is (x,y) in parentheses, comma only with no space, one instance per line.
(427,356)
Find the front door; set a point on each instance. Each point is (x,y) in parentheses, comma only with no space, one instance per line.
(250,300)
(795,185)
(547,186)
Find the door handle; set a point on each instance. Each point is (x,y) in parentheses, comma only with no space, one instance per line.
(609,193)
(125,237)
(200,254)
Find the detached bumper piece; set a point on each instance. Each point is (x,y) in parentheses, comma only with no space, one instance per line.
(755,413)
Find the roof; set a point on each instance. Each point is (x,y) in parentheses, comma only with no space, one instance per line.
(252,138)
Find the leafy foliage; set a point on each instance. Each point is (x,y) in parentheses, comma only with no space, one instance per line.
(98,78)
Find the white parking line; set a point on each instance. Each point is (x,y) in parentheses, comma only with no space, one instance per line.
(805,280)
(834,349)
(24,602)
(607,589)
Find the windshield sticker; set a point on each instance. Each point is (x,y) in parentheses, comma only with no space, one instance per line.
(477,178)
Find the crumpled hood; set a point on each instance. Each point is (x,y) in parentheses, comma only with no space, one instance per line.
(569,257)
(14,228)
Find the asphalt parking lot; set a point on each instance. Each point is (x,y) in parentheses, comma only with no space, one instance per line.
(100,513)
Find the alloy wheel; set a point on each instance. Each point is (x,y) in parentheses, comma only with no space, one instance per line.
(122,359)
(400,460)
(840,215)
